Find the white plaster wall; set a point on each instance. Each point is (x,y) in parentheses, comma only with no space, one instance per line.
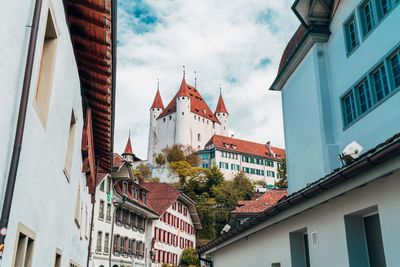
(272,244)
(167,131)
(153,133)
(162,225)
(229,174)
(105,227)
(44,200)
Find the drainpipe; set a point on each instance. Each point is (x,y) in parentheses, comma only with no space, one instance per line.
(19,133)
(93,201)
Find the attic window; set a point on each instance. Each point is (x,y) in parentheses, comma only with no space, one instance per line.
(190,94)
(197,110)
(205,111)
(234,146)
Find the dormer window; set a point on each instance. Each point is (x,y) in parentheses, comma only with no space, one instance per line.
(144,198)
(124,188)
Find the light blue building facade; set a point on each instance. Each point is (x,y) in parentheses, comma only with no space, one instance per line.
(340,80)
(340,85)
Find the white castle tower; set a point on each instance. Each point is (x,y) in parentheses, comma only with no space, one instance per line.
(156,109)
(186,120)
(222,115)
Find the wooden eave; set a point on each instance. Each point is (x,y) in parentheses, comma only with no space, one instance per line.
(91,34)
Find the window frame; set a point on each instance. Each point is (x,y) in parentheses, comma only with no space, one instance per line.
(346,29)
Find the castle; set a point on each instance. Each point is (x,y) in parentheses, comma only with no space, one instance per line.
(187,120)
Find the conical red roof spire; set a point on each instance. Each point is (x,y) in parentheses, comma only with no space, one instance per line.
(157,103)
(221,105)
(184,89)
(128,149)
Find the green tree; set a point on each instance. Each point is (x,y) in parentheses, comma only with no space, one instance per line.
(174,153)
(160,159)
(189,258)
(214,178)
(185,170)
(142,172)
(282,182)
(243,186)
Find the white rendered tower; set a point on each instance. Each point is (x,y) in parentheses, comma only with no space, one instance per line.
(156,109)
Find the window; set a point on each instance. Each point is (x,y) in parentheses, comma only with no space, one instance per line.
(78,207)
(25,243)
(108,214)
(57,262)
(101,209)
(348,108)
(395,68)
(363,96)
(102,186)
(124,188)
(381,87)
(364,238)
(74,264)
(70,146)
(98,243)
(351,34)
(43,91)
(106,241)
(299,249)
(198,137)
(383,7)
(367,17)
(205,165)
(204,156)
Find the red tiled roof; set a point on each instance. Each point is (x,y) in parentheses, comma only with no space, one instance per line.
(291,46)
(160,196)
(157,103)
(137,201)
(91,29)
(128,148)
(245,147)
(118,161)
(267,200)
(221,108)
(197,104)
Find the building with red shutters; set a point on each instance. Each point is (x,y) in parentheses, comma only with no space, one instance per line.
(176,227)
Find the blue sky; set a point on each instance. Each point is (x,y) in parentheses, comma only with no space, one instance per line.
(236,43)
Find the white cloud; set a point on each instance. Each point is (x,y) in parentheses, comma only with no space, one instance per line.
(224,41)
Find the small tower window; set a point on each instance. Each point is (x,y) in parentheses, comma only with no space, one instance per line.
(183,113)
(164,119)
(198,137)
(194,116)
(170,117)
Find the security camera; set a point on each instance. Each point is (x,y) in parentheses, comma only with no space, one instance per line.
(351,152)
(226,228)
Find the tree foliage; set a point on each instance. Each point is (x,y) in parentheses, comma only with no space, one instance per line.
(189,258)
(142,172)
(282,182)
(160,159)
(214,178)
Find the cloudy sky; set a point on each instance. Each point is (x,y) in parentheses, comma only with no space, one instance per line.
(235,43)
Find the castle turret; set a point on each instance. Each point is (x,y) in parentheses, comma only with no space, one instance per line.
(222,115)
(128,152)
(182,135)
(156,109)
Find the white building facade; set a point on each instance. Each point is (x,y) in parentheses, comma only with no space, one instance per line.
(49,222)
(187,120)
(122,214)
(260,162)
(175,230)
